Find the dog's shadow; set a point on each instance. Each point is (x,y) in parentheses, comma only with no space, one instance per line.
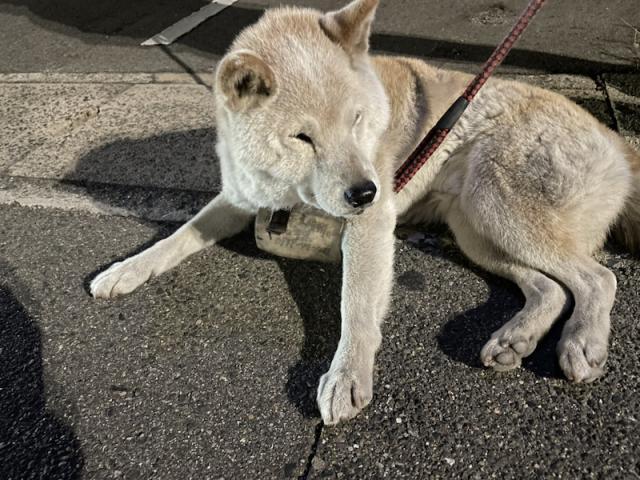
(315,289)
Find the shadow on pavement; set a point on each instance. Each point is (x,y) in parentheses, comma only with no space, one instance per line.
(463,337)
(140,19)
(34,443)
(178,160)
(628,86)
(170,160)
(464,52)
(315,288)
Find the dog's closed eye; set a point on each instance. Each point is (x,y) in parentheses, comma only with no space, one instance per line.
(303,137)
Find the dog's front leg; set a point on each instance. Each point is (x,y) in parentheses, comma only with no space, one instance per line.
(218,220)
(367,247)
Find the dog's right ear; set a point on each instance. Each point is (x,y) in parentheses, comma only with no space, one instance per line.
(350,27)
(245,80)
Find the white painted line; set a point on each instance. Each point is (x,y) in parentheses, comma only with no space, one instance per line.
(46,196)
(106,78)
(60,201)
(175,31)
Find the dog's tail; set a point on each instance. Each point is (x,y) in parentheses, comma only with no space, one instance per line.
(626,231)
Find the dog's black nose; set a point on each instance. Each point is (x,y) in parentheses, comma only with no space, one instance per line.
(361,195)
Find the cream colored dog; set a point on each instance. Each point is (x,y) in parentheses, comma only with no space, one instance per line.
(529,183)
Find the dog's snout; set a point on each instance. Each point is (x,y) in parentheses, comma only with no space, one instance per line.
(361,195)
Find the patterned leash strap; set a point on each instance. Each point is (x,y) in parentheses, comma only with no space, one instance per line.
(439,132)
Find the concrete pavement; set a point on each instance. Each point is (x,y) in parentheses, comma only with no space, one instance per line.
(585,36)
(210,371)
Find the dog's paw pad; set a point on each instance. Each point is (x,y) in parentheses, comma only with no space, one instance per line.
(503,353)
(582,361)
(341,396)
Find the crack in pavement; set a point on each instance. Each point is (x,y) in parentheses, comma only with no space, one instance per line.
(602,85)
(314,451)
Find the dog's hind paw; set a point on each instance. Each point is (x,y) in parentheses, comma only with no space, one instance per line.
(341,395)
(119,279)
(582,361)
(505,351)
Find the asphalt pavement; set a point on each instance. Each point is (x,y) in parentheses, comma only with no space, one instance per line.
(210,370)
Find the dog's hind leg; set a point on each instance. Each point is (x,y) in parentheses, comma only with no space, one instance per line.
(545,298)
(549,211)
(582,349)
(218,220)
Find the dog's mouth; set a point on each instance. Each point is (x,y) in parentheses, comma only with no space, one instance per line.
(352,213)
(356,212)
(308,198)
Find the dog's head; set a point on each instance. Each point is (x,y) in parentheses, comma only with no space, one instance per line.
(300,104)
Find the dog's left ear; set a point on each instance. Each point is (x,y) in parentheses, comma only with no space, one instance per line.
(351,26)
(245,80)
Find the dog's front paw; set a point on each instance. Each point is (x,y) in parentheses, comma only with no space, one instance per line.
(342,393)
(582,360)
(119,279)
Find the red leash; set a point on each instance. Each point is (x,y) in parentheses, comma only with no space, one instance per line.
(439,132)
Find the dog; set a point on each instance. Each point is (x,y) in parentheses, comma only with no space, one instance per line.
(529,183)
